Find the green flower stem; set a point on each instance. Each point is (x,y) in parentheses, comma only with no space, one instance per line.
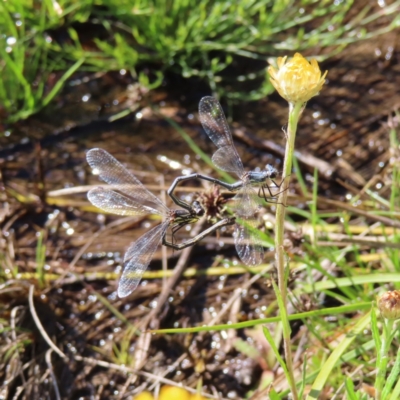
(295,111)
(383,358)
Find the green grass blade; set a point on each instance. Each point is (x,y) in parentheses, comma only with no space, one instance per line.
(303,378)
(282,309)
(335,356)
(40,260)
(271,342)
(351,281)
(375,333)
(396,392)
(392,378)
(60,83)
(16,70)
(299,176)
(293,317)
(112,309)
(273,395)
(351,395)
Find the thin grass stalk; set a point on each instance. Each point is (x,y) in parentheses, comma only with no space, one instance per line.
(294,115)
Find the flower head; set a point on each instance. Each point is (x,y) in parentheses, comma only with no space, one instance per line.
(171,393)
(297,80)
(389,304)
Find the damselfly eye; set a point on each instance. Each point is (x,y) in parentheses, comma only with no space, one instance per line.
(272,172)
(197,208)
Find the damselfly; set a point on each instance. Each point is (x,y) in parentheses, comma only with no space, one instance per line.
(247,238)
(128,196)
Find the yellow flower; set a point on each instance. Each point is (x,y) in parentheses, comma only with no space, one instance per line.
(173,393)
(389,304)
(170,393)
(144,396)
(297,80)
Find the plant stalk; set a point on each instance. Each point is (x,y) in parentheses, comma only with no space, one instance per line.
(295,111)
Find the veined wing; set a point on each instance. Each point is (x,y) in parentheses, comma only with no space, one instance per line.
(214,123)
(138,257)
(248,242)
(114,173)
(117,203)
(246,202)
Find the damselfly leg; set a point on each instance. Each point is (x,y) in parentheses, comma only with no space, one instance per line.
(271,196)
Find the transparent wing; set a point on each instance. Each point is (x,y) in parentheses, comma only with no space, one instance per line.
(138,257)
(117,203)
(246,202)
(214,123)
(114,173)
(248,242)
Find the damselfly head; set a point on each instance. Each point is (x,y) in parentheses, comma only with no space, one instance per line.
(197,208)
(271,171)
(257,178)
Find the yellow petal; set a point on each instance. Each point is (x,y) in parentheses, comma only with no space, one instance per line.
(297,80)
(173,393)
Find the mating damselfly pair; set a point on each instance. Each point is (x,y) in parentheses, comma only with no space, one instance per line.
(126,195)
